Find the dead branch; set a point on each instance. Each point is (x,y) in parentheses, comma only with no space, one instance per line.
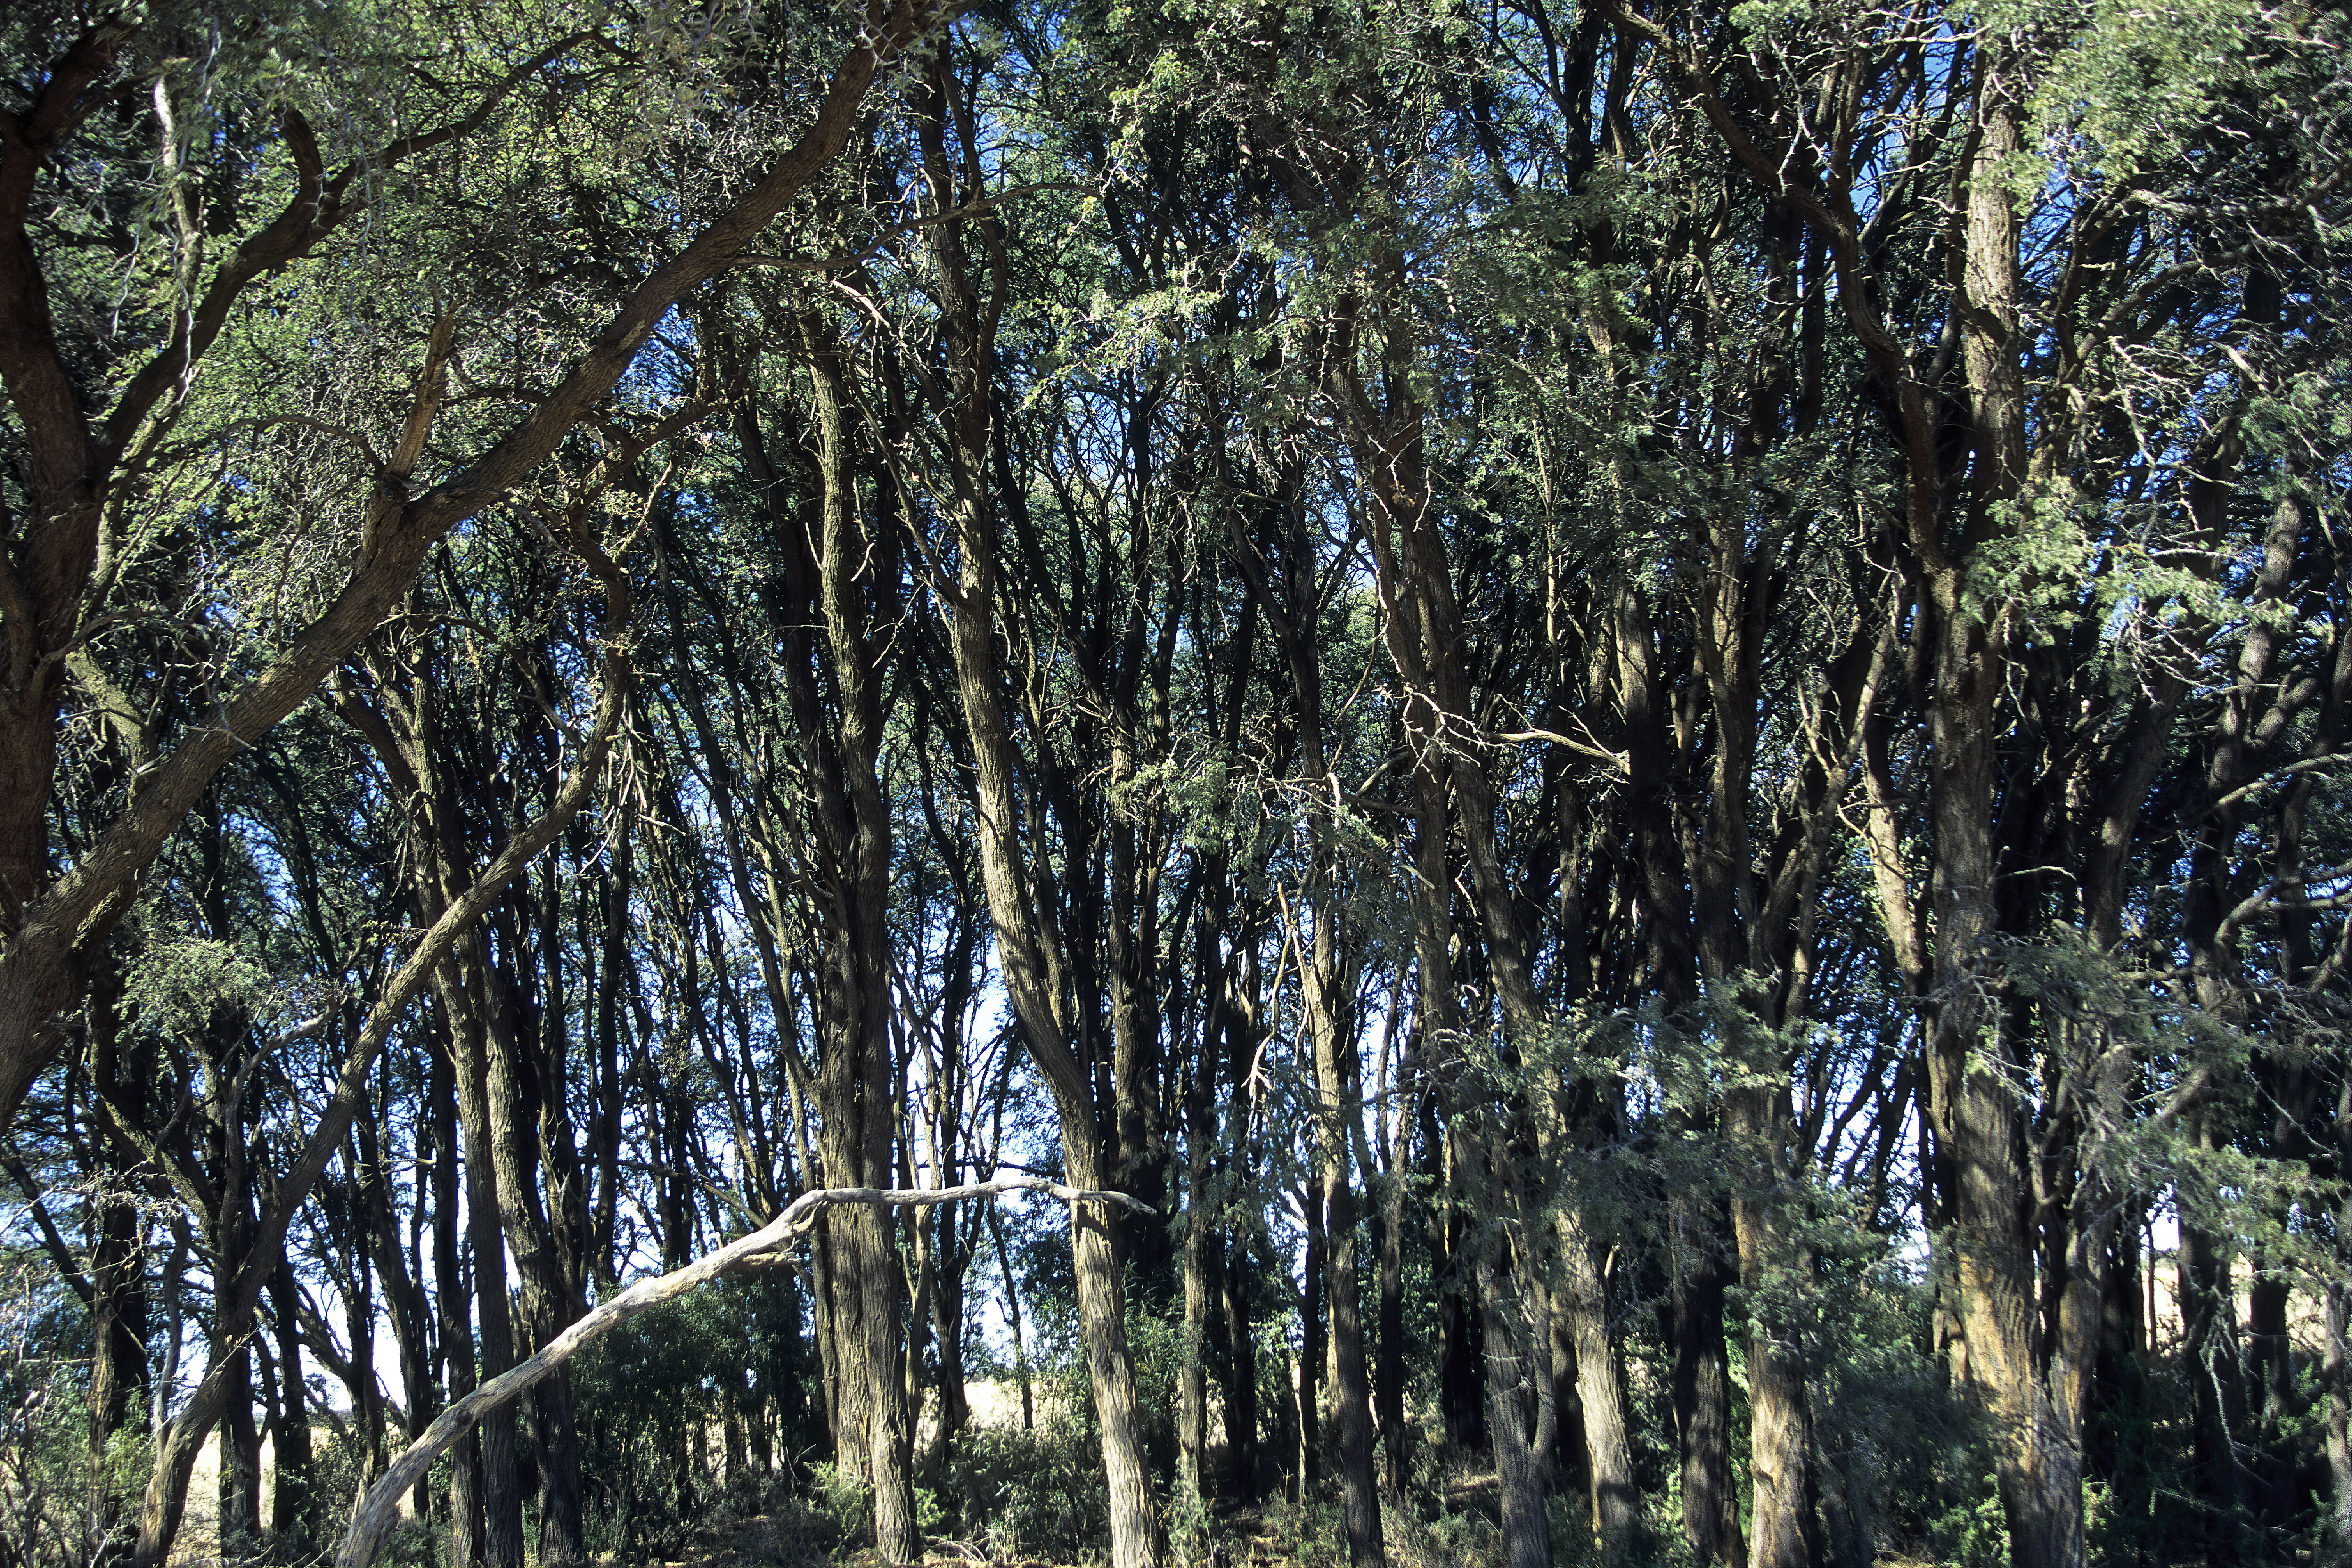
(376,1510)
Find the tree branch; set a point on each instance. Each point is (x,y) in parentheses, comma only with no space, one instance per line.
(374,1512)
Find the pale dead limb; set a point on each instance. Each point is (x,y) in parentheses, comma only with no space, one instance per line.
(376,1510)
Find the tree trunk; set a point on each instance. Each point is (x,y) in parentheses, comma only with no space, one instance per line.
(1192,1412)
(516,1095)
(294,1512)
(452,1291)
(858,1068)
(1388,1393)
(239,1516)
(2335,1379)
(1313,1347)
(502,1543)
(1021,950)
(1756,1123)
(1616,1509)
(947,1329)
(1012,1316)
(2209,1352)
(1518,1470)
(1461,1343)
(1710,1505)
(1241,1376)
(2037,1458)
(1351,1396)
(118,1304)
(2270,1355)
(1102,1323)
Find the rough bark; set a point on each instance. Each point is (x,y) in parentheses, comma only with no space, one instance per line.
(1710,1507)
(2037,1451)
(294,1503)
(856,1070)
(452,1295)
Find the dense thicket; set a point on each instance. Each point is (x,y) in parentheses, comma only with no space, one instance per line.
(1640,710)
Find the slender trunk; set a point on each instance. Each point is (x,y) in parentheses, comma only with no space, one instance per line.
(1388,1393)
(1202,1256)
(2270,1355)
(1134,1517)
(502,1545)
(1526,1532)
(239,1517)
(1559,1413)
(555,1436)
(947,1329)
(1710,1506)
(452,1291)
(358,1318)
(1193,1413)
(1616,1508)
(2036,1459)
(1314,1343)
(1241,1376)
(2037,1456)
(845,1434)
(1756,1120)
(2336,1378)
(2210,1359)
(1461,1348)
(1351,1396)
(120,1308)
(890,1441)
(853,835)
(1012,1316)
(118,1359)
(293,1508)
(517,1101)
(1022,943)
(2336,1356)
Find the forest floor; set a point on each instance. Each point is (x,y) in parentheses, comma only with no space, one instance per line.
(1251,1541)
(1274,1535)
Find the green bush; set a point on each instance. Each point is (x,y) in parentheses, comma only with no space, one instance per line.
(1029,1494)
(652,1394)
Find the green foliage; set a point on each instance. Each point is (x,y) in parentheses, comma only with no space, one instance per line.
(1037,1494)
(179,987)
(1970,1532)
(1622,370)
(651,1393)
(46,1485)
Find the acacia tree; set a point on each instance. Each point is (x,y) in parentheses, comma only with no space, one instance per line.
(2005,470)
(1596,635)
(83,488)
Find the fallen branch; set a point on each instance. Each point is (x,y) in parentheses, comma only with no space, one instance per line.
(373,1514)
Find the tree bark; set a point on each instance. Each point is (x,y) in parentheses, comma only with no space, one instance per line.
(293,1507)
(1241,1401)
(1314,1346)
(502,1545)
(1388,1393)
(1710,1507)
(452,1293)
